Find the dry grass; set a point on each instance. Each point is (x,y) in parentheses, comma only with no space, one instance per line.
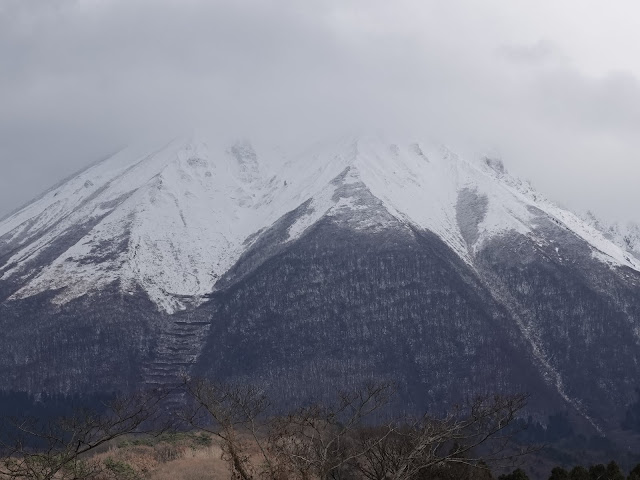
(181,456)
(199,465)
(175,458)
(170,457)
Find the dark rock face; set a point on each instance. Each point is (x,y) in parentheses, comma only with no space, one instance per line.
(471,210)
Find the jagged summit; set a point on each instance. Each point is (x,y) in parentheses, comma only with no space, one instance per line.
(172,219)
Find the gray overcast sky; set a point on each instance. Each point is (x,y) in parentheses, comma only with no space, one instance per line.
(553,86)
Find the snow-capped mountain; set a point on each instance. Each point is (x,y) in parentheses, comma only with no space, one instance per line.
(173,221)
(354,258)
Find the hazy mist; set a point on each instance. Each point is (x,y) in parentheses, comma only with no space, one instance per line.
(552,86)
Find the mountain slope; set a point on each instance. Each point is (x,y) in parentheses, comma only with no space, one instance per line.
(354,259)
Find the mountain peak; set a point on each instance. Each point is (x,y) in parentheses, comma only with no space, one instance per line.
(175,218)
(353,259)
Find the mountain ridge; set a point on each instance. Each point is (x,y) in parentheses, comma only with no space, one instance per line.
(355,259)
(180,169)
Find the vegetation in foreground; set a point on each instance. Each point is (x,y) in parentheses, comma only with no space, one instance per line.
(231,431)
(351,437)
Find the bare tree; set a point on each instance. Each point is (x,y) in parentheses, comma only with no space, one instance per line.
(482,432)
(348,438)
(319,441)
(229,412)
(32,449)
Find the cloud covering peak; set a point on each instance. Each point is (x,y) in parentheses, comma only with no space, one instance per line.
(559,99)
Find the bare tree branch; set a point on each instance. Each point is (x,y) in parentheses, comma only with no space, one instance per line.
(43,451)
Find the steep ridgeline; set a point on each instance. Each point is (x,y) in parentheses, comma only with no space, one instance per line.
(354,260)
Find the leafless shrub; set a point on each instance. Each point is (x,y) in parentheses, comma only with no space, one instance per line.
(480,432)
(32,449)
(321,441)
(167,452)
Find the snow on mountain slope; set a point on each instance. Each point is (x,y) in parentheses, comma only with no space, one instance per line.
(175,220)
(626,236)
(184,212)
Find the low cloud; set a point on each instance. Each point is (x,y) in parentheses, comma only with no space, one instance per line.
(81,77)
(539,53)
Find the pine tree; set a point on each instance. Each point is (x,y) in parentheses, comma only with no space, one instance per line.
(614,472)
(597,472)
(579,473)
(559,473)
(517,474)
(635,473)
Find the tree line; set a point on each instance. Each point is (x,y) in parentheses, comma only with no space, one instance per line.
(611,471)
